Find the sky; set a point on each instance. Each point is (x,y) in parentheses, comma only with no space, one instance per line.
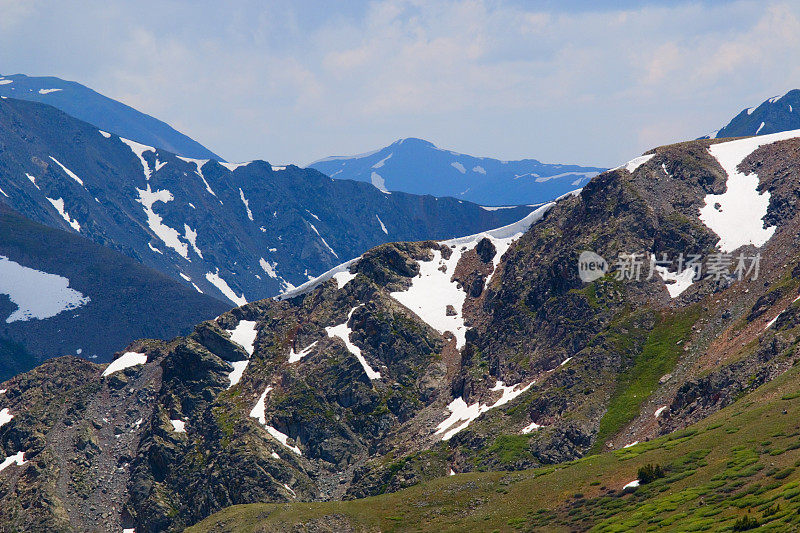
(570,81)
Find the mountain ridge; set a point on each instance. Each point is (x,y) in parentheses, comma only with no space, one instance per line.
(418,166)
(107,114)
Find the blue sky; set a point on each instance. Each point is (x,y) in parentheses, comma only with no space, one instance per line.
(293,81)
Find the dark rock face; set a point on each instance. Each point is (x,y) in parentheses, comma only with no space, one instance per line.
(237,232)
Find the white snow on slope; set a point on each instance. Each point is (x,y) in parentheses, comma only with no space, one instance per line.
(543,179)
(33,180)
(313,283)
(215,279)
(380,163)
(771,322)
(59,205)
(432,290)
(67,171)
(739,219)
(18,458)
(297,356)
(104,134)
(6,82)
(170,236)
(4,193)
(681,281)
(126,360)
(5,417)
(659,411)
(636,162)
(234,166)
(343,332)
(178,426)
(48,91)
(259,413)
(323,240)
(760,127)
(383,227)
(479,169)
(36,294)
(530,428)
(198,163)
(458,166)
(378,181)
(244,334)
(269,268)
(632,485)
(343,278)
(156,250)
(139,149)
(246,204)
(631,444)
(191,235)
(235,375)
(461,414)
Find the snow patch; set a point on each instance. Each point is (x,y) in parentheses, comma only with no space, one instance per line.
(234,166)
(530,428)
(126,360)
(48,91)
(659,411)
(138,150)
(244,334)
(343,332)
(383,226)
(458,166)
(380,163)
(59,205)
(36,294)
(760,128)
(635,163)
(67,171)
(378,181)
(297,356)
(479,169)
(461,414)
(681,281)
(343,278)
(170,236)
(259,411)
(18,458)
(104,134)
(33,180)
(191,236)
(246,204)
(199,163)
(634,443)
(5,417)
(632,485)
(323,240)
(739,219)
(178,426)
(215,279)
(235,375)
(544,179)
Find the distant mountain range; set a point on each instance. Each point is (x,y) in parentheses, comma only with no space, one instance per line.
(239,232)
(419,167)
(61,294)
(773,115)
(107,114)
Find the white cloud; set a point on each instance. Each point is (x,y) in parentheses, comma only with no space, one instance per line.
(291,82)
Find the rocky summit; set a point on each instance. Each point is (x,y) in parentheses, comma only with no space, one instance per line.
(429,384)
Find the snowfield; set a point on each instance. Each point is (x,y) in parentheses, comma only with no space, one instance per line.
(37,294)
(737,215)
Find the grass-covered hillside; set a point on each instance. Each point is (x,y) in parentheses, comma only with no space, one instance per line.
(736,469)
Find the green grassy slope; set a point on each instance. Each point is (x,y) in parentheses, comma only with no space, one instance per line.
(743,461)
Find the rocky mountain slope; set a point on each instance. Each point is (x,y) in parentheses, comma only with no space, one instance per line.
(417,166)
(417,360)
(736,469)
(109,115)
(239,232)
(62,294)
(776,114)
